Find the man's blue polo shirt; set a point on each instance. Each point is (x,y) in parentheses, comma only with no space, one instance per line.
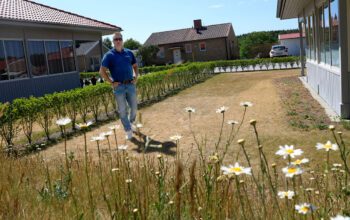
(119,64)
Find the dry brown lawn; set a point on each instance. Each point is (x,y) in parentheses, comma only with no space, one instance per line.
(168,118)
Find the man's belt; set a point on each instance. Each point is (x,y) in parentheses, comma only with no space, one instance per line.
(125,81)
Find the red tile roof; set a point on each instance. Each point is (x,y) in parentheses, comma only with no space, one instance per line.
(189,34)
(289,36)
(29,11)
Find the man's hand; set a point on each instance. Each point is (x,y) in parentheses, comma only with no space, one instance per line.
(115,84)
(134,81)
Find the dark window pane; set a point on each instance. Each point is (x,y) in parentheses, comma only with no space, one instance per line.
(3,66)
(53,55)
(16,59)
(307,36)
(322,46)
(335,32)
(327,34)
(37,58)
(67,56)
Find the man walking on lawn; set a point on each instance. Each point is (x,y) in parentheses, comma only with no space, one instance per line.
(122,64)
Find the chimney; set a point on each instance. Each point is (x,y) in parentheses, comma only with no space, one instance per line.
(198,24)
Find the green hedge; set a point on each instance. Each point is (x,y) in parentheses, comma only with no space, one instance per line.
(220,63)
(83,103)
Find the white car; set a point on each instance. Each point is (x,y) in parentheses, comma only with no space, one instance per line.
(279,51)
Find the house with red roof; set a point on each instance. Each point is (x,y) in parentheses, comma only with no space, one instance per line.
(292,42)
(198,43)
(38,47)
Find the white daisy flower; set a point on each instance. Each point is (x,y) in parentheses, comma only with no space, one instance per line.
(190,110)
(106,134)
(139,125)
(81,126)
(289,151)
(236,169)
(98,138)
(115,169)
(222,109)
(304,208)
(299,162)
(128,181)
(337,165)
(176,137)
(122,147)
(232,122)
(286,194)
(114,127)
(246,104)
(340,217)
(328,146)
(291,171)
(63,121)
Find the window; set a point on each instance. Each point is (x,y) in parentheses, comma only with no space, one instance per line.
(188,48)
(53,57)
(17,67)
(321,35)
(326,35)
(37,58)
(3,65)
(334,47)
(306,31)
(160,53)
(67,56)
(202,46)
(312,38)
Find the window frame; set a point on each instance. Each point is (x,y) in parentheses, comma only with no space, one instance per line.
(186,47)
(161,53)
(47,62)
(205,45)
(25,58)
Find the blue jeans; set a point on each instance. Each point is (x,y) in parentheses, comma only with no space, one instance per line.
(125,95)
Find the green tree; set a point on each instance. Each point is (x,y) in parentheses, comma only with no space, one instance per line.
(148,53)
(252,43)
(132,44)
(107,42)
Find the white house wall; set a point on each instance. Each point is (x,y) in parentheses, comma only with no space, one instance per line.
(293,46)
(326,83)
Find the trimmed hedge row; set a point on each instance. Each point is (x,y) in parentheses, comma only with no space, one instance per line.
(82,103)
(220,63)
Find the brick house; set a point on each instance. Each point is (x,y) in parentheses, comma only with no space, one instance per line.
(200,43)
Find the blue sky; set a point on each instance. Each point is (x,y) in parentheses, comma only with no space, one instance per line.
(140,18)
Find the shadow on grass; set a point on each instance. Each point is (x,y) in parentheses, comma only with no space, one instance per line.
(147,145)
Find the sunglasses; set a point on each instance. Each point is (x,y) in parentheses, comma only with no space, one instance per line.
(118,39)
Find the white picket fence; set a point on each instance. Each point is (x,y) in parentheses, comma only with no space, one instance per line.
(261,67)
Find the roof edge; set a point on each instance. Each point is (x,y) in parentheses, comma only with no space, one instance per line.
(19,22)
(190,28)
(71,13)
(280,4)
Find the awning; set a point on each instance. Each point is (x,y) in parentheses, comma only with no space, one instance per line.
(287,9)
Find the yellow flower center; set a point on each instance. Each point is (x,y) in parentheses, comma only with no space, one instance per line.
(328,146)
(305,209)
(236,169)
(290,151)
(292,170)
(298,162)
